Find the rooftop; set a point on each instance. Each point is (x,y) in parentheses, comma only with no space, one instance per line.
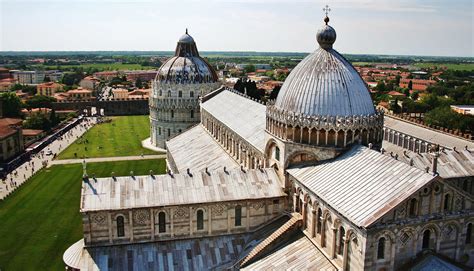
(432,136)
(180,189)
(242,115)
(197,150)
(362,184)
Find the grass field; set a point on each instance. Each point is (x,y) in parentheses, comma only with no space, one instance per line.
(121,137)
(102,66)
(41,219)
(450,66)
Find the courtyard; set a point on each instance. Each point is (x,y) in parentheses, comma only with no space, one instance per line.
(120,137)
(41,219)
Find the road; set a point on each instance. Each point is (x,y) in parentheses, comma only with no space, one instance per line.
(106,159)
(24,172)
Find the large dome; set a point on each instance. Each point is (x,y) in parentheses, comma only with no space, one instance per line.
(186,66)
(325,84)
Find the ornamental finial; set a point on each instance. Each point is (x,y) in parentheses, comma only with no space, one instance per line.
(326,10)
(186,30)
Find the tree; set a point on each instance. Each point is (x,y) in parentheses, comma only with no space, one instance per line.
(37,121)
(410,85)
(274,93)
(139,83)
(381,87)
(414,96)
(40,101)
(11,104)
(395,107)
(249,68)
(53,118)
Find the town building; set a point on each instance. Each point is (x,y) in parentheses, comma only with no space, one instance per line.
(79,94)
(120,93)
(90,82)
(417,84)
(48,88)
(11,138)
(296,184)
(181,80)
(145,76)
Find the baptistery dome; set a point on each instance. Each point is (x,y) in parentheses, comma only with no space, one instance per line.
(186,66)
(325,84)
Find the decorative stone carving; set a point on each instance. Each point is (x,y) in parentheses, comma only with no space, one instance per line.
(141,217)
(99,218)
(404,238)
(181,213)
(218,210)
(258,205)
(448,232)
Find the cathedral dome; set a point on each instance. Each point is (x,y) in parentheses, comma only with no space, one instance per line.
(186,66)
(325,84)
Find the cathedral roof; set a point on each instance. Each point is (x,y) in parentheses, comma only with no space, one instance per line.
(325,84)
(362,184)
(240,114)
(186,66)
(197,150)
(129,192)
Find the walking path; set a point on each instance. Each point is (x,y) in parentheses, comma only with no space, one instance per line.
(38,161)
(106,159)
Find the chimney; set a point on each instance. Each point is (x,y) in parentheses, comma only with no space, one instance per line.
(434,164)
(382,150)
(370,145)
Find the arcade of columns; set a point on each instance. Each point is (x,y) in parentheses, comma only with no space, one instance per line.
(241,150)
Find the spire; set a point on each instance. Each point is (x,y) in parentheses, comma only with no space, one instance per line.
(326,35)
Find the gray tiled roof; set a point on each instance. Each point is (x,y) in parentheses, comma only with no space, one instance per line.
(362,184)
(197,150)
(180,189)
(242,115)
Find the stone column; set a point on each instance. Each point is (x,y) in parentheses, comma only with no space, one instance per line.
(152,222)
(334,237)
(190,221)
(209,220)
(247,213)
(171,223)
(130,216)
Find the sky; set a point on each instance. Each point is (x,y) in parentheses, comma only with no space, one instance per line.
(405,27)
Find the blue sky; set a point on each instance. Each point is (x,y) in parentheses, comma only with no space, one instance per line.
(413,27)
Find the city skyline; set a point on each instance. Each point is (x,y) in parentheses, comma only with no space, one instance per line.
(431,28)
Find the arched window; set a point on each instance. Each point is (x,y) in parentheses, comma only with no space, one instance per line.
(320,220)
(342,233)
(238,215)
(412,209)
(192,113)
(161,92)
(381,248)
(277,153)
(447,202)
(172,113)
(426,239)
(159,130)
(180,94)
(169,93)
(169,132)
(191,94)
(120,226)
(200,220)
(161,222)
(469,233)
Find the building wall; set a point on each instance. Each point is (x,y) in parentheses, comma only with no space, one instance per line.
(142,225)
(11,146)
(446,217)
(171,106)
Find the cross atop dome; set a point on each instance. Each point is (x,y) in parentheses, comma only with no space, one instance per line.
(326,10)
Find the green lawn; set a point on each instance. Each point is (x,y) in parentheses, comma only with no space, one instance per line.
(121,137)
(41,219)
(450,66)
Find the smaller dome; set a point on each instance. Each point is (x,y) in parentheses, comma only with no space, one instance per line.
(326,35)
(186,38)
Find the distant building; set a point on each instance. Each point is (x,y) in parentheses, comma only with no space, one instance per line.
(139,94)
(417,84)
(79,94)
(31,135)
(48,89)
(120,93)
(11,138)
(90,82)
(28,112)
(107,75)
(28,77)
(143,75)
(463,109)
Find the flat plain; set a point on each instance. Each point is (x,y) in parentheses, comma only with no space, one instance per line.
(121,137)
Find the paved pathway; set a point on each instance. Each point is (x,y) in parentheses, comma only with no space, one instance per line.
(38,161)
(106,159)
